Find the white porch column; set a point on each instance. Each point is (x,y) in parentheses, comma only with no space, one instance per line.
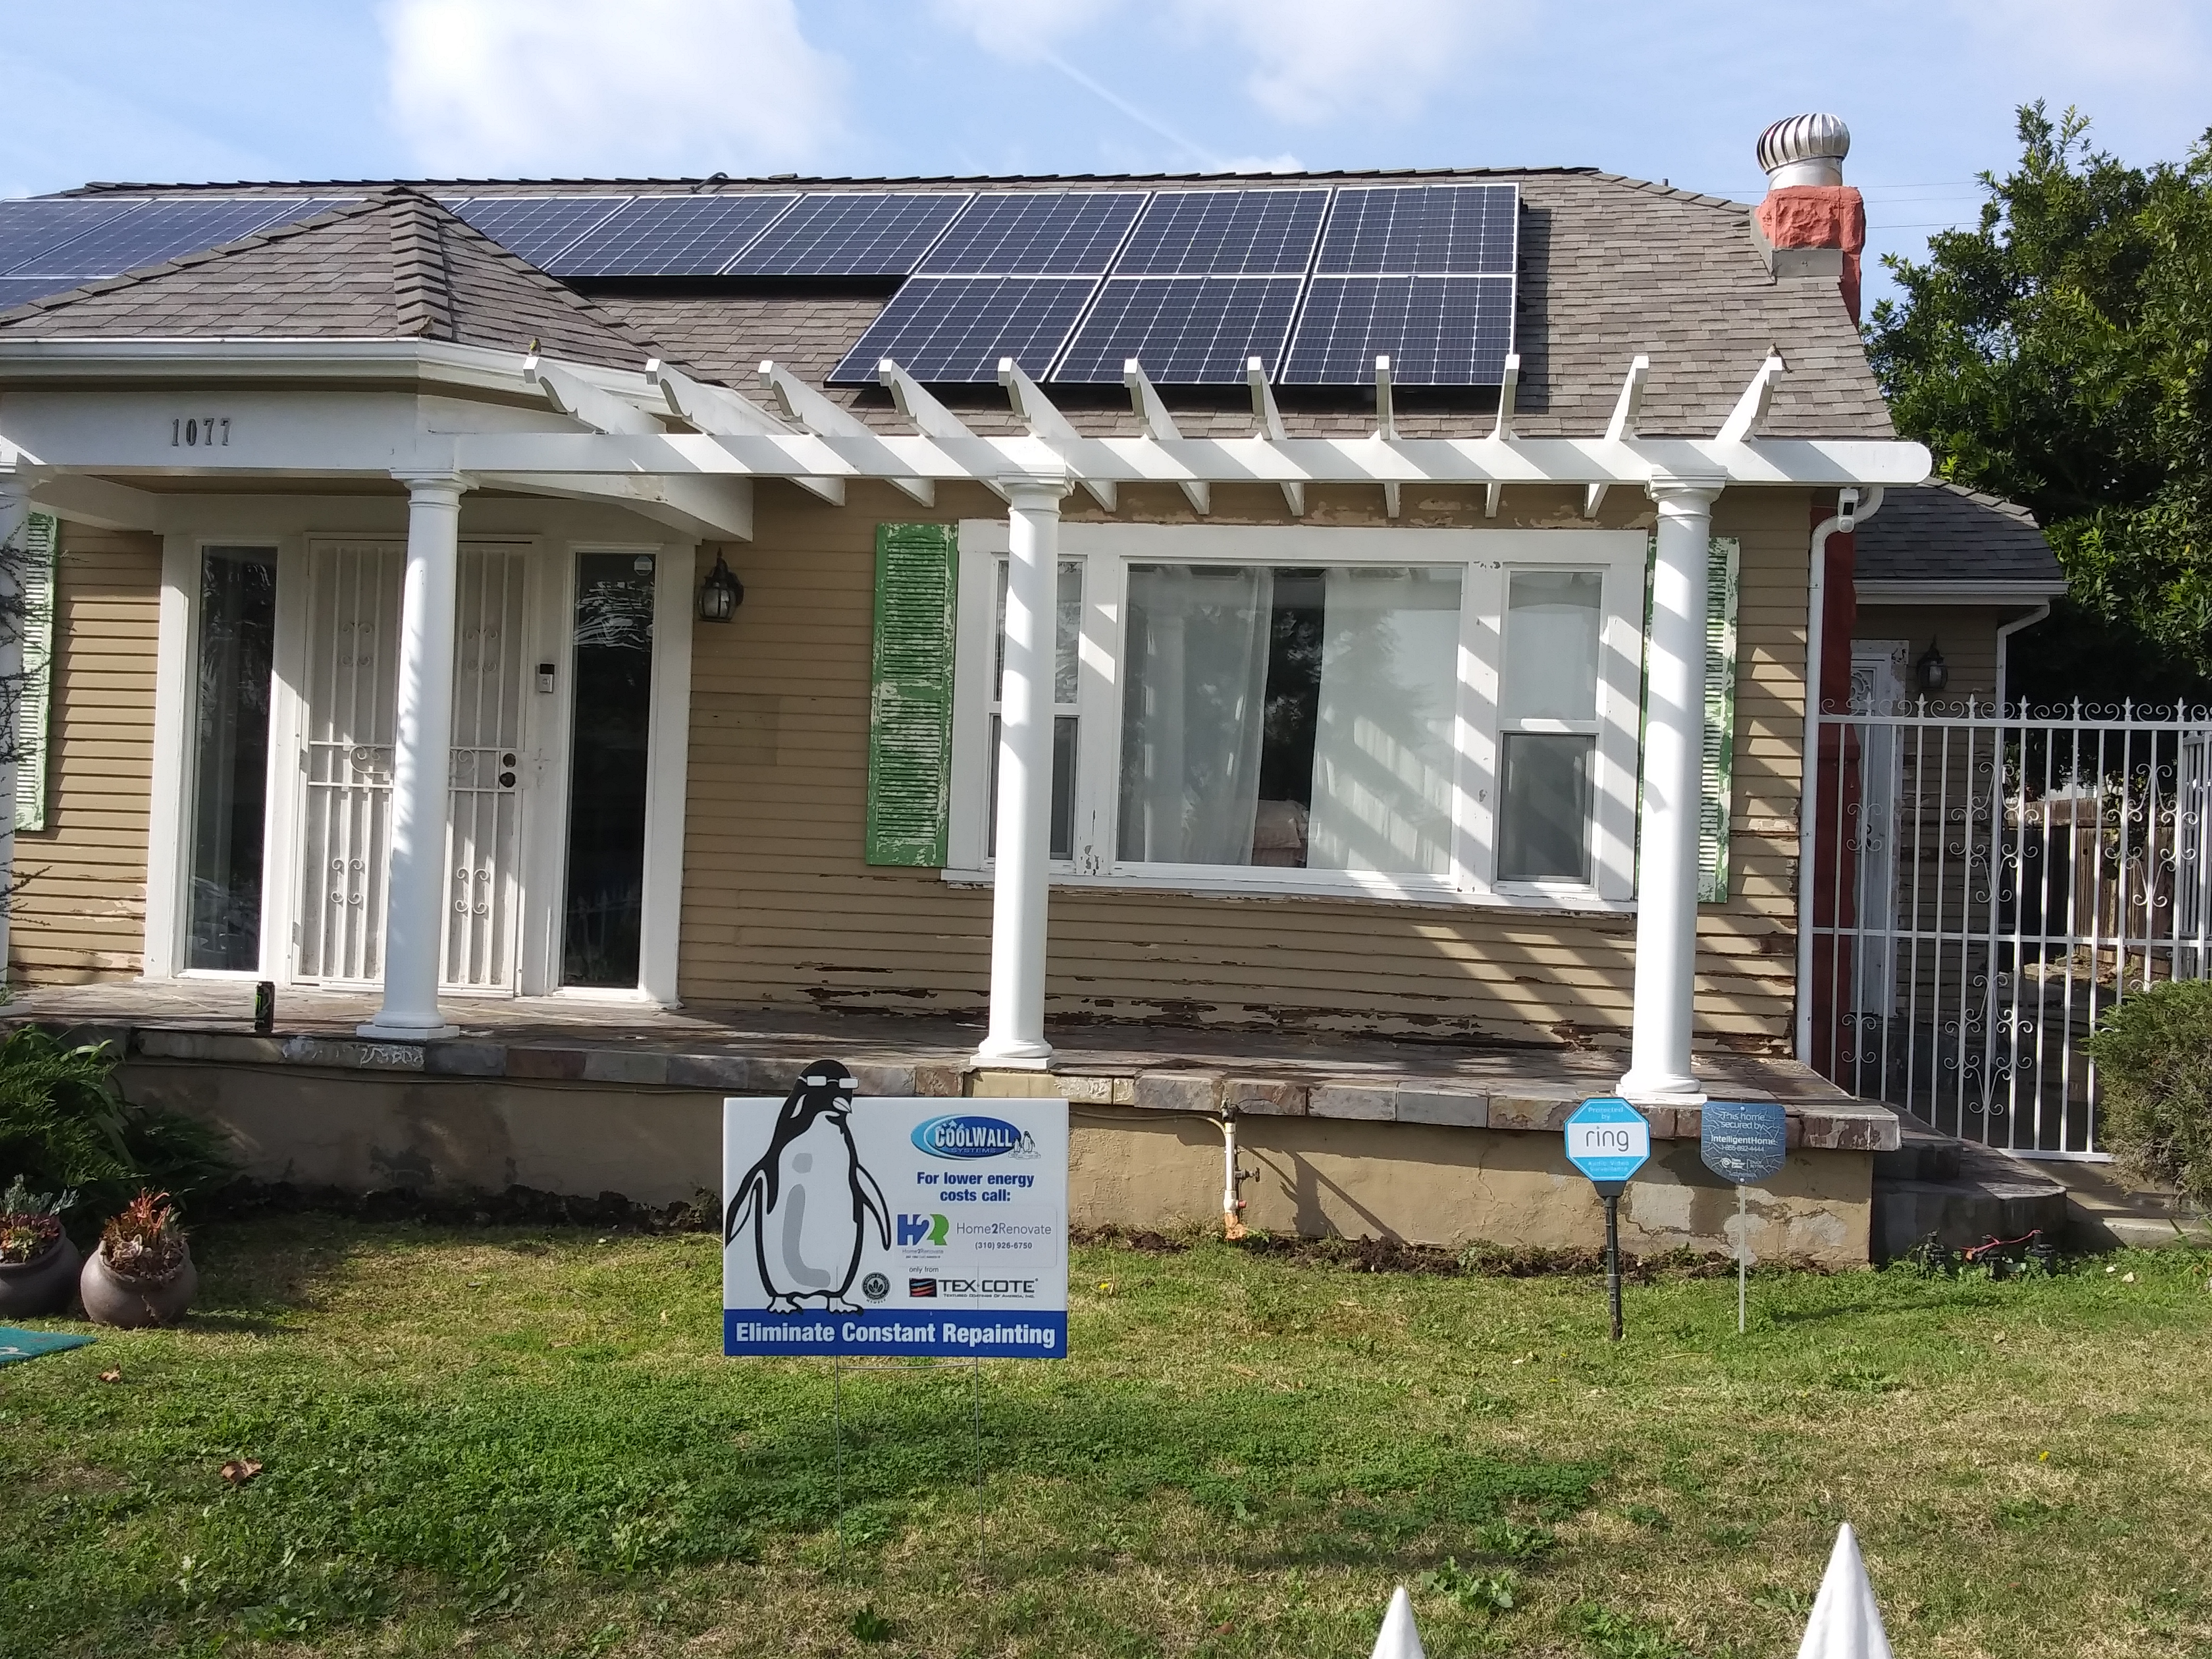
(1019,888)
(1673,743)
(422,766)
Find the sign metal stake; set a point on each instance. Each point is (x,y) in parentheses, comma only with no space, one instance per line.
(1609,1140)
(1742,1142)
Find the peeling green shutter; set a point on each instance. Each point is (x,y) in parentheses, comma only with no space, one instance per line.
(910,699)
(1723,560)
(1723,567)
(35,696)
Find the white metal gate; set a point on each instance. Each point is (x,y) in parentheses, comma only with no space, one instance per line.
(1985,887)
(353,654)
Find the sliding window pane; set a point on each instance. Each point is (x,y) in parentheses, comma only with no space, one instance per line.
(604,908)
(230,757)
(1300,717)
(1544,831)
(1552,627)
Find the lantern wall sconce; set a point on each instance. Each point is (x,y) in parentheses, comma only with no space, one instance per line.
(721,594)
(1931,672)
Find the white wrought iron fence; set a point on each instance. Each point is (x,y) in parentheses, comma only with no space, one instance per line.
(1987,885)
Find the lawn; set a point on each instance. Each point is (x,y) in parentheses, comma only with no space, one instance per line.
(524,1441)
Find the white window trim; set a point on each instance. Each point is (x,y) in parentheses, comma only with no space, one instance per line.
(1486,556)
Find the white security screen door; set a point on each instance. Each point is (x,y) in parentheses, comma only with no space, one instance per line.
(484,819)
(353,654)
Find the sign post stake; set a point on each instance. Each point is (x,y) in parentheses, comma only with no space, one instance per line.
(1613,1258)
(1608,1140)
(1743,1141)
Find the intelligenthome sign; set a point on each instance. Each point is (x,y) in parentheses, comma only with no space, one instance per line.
(893,1226)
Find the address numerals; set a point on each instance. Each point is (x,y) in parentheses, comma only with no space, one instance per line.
(200,432)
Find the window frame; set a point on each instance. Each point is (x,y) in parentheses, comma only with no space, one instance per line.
(1485,559)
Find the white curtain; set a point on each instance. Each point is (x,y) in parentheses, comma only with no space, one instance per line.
(1191,706)
(1382,744)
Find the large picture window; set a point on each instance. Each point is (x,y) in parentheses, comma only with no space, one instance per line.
(1425,714)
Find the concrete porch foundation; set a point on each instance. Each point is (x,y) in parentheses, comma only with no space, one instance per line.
(1432,1144)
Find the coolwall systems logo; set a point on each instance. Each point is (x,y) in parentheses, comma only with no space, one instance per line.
(966,1136)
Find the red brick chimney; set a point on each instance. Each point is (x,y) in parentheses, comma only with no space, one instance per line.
(1812,223)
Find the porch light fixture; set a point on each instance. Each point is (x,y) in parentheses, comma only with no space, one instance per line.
(1931,672)
(721,594)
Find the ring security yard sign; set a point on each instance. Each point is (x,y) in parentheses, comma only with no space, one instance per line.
(893,1226)
(1608,1140)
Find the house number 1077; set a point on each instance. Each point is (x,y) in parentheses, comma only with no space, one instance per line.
(205,432)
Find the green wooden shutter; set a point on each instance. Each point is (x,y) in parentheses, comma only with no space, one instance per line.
(910,701)
(35,696)
(1724,558)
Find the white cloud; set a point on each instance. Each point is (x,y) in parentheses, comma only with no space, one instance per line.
(1023,31)
(583,87)
(1318,60)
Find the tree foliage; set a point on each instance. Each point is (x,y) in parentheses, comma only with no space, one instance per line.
(2057,355)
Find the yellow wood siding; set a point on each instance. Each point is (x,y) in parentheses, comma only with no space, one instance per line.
(83,915)
(779,907)
(1966,633)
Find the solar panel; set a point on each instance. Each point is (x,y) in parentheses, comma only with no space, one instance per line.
(15,290)
(671,236)
(538,229)
(850,234)
(1037,233)
(1224,233)
(1436,330)
(1422,230)
(1186,331)
(30,230)
(954,329)
(163,229)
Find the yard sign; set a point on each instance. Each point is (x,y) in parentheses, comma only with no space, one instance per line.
(893,1226)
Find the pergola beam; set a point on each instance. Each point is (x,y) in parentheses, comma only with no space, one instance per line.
(1270,429)
(579,400)
(718,409)
(1038,413)
(1622,427)
(1160,426)
(1386,428)
(809,409)
(1509,388)
(1751,409)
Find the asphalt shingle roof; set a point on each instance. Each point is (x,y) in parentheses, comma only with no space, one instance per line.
(395,266)
(1610,267)
(1939,532)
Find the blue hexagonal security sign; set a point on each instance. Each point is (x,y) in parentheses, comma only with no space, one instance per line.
(1608,1140)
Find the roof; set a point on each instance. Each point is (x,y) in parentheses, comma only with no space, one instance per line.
(1940,541)
(395,266)
(1610,267)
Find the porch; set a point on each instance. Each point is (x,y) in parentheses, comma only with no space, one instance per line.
(1434,1143)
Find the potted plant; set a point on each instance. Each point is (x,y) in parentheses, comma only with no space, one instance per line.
(38,1263)
(143,1272)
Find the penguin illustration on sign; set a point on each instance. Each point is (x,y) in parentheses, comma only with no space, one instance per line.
(809,1198)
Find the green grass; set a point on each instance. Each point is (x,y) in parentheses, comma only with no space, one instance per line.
(528,1443)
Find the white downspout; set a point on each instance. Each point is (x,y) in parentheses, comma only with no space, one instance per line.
(1851,509)
(2005,631)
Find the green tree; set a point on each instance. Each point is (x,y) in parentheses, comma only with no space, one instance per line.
(2057,355)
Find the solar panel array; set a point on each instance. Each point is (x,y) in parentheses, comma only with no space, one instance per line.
(48,245)
(1192,284)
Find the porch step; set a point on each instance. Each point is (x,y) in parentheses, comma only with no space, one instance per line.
(1961,1194)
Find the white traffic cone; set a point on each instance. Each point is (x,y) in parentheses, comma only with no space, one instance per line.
(1845,1623)
(1398,1639)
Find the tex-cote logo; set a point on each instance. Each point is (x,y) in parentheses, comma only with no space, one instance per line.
(923,1229)
(964,1137)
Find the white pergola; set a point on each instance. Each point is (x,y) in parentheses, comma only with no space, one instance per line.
(80,419)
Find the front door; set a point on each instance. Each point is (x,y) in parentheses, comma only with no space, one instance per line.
(353,655)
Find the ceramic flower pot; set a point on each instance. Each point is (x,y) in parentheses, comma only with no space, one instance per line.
(111,1299)
(33,1288)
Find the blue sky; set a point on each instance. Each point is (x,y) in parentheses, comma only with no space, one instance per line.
(155,91)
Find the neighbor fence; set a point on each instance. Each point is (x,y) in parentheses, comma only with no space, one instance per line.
(1986,884)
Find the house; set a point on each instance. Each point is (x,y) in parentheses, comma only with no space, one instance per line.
(1171,639)
(1950,572)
